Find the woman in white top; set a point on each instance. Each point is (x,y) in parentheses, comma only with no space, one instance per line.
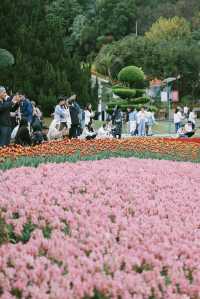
(59,114)
(66,120)
(192,118)
(54,131)
(141,121)
(88,133)
(177,119)
(104,132)
(88,113)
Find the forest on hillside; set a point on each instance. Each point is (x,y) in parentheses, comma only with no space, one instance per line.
(55,42)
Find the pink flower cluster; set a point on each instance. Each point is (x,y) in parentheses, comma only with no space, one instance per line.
(123,228)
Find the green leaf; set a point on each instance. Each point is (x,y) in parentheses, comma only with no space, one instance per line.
(6,58)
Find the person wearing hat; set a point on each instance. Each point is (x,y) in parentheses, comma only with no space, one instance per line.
(6,105)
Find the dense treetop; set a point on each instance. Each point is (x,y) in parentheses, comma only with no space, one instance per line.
(54,43)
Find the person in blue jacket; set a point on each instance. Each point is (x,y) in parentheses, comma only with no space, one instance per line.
(26,109)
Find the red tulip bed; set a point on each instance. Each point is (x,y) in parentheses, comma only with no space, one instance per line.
(119,228)
(181,148)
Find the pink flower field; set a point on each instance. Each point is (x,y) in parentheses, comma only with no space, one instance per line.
(118,228)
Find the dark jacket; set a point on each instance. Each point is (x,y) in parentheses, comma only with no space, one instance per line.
(23,136)
(117,117)
(74,113)
(5,108)
(26,109)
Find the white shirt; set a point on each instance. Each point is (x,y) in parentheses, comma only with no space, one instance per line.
(88,116)
(54,132)
(86,133)
(185,110)
(177,117)
(59,114)
(192,117)
(188,128)
(67,117)
(141,116)
(102,133)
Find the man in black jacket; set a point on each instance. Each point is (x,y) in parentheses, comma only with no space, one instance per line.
(74,113)
(6,105)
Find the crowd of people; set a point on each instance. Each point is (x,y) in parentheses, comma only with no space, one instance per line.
(185,121)
(139,121)
(21,121)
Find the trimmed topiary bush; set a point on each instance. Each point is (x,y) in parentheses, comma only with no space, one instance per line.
(140,100)
(129,97)
(131,75)
(140,92)
(124,93)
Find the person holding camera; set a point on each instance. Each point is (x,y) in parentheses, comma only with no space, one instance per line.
(7,104)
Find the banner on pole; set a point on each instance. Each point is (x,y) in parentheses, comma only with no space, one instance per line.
(175,96)
(164,96)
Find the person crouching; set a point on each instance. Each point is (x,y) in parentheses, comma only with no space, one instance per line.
(88,132)
(39,135)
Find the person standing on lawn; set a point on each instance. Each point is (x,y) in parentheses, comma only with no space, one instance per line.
(142,121)
(132,121)
(192,118)
(75,121)
(150,122)
(88,114)
(26,108)
(177,119)
(6,106)
(59,113)
(117,121)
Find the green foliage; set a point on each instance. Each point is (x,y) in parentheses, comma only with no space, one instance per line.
(97,295)
(116,17)
(112,58)
(24,237)
(66,230)
(140,100)
(47,230)
(169,29)
(160,59)
(50,36)
(139,92)
(131,97)
(124,93)
(17,293)
(44,68)
(6,58)
(36,161)
(131,75)
(3,231)
(187,100)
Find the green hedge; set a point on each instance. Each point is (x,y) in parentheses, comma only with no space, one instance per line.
(131,75)
(124,93)
(140,92)
(140,100)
